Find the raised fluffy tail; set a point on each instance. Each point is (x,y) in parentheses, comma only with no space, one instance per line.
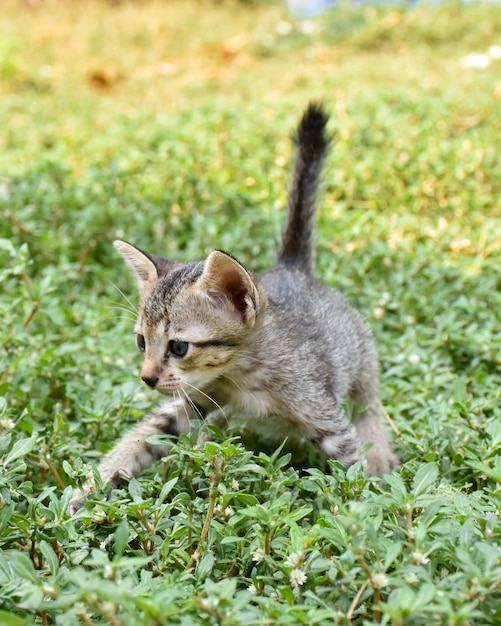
(312,145)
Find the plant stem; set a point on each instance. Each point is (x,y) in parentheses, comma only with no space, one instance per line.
(216,479)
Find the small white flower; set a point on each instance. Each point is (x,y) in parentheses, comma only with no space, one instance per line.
(308,27)
(99,515)
(49,590)
(228,511)
(235,485)
(209,604)
(494,52)
(414,358)
(6,424)
(380,580)
(252,589)
(475,61)
(258,555)
(283,28)
(164,68)
(297,577)
(108,607)
(294,560)
(412,579)
(4,191)
(419,558)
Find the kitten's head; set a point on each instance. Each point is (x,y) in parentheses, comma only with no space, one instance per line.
(195,319)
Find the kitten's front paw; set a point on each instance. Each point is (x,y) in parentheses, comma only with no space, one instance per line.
(380,461)
(119,479)
(79,498)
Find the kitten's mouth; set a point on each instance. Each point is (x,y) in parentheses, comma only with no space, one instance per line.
(167,388)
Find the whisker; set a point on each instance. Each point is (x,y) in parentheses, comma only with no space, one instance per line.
(133,306)
(192,404)
(209,398)
(131,320)
(234,382)
(181,399)
(176,404)
(119,307)
(121,317)
(248,356)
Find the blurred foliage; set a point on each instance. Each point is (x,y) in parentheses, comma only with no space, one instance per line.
(128,120)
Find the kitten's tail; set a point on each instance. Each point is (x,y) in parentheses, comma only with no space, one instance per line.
(312,145)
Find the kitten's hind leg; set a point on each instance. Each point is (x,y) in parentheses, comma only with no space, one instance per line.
(133,453)
(380,458)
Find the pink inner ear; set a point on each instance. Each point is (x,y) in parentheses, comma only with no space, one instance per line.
(233,285)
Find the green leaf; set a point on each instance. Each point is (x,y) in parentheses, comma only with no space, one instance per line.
(167,488)
(50,556)
(246,498)
(23,566)
(297,514)
(205,565)
(135,490)
(10,619)
(398,489)
(233,539)
(426,593)
(296,537)
(392,553)
(21,448)
(424,478)
(121,537)
(492,472)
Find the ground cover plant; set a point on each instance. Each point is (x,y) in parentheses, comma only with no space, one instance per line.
(168,124)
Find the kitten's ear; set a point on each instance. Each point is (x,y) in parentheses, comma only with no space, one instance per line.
(142,263)
(228,282)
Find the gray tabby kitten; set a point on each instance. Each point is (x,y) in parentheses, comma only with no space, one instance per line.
(282,350)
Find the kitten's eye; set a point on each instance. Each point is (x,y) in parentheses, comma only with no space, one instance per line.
(140,342)
(178,348)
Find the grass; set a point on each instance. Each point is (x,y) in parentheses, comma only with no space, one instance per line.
(168,124)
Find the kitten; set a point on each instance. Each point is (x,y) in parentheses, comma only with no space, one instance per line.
(282,350)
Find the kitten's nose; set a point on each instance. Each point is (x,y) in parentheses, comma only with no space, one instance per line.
(151,381)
